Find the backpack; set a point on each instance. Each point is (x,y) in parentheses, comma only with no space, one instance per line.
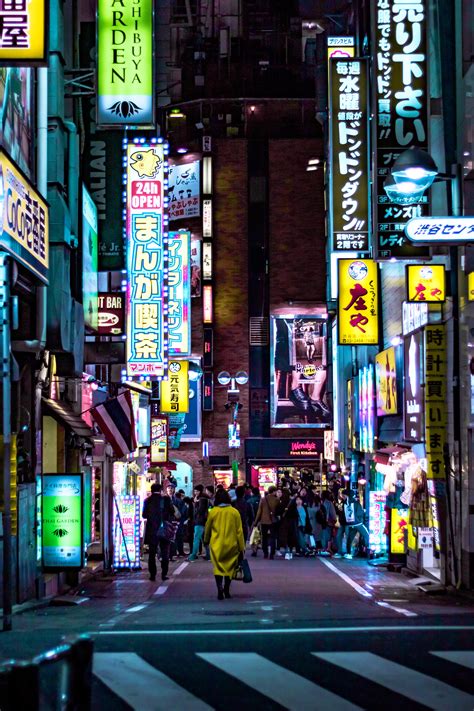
(321,516)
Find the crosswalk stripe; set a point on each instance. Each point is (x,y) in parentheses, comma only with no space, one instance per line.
(410,683)
(464,658)
(142,686)
(283,686)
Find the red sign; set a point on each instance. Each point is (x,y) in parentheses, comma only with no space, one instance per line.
(111,314)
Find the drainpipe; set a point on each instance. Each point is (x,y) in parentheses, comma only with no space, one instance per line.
(72,173)
(39,342)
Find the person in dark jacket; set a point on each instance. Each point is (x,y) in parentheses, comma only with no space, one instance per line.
(157,509)
(244,509)
(201,509)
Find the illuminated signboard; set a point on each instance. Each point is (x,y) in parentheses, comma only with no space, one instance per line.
(175,390)
(179,293)
(350,416)
(470,286)
(25,222)
(366,409)
(195,267)
(184,191)
(386,382)
(413,390)
(234,435)
(426,282)
(349,187)
(377,537)
(440,230)
(358,312)
(401,112)
(207,306)
(208,354)
(436,408)
(399,521)
(414,316)
(127,532)
(111,316)
(329,445)
(208,392)
(207,218)
(340,47)
(23,27)
(125,54)
(147,254)
(90,261)
(192,427)
(62,521)
(207,260)
(158,439)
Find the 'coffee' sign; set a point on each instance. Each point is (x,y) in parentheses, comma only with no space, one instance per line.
(111,314)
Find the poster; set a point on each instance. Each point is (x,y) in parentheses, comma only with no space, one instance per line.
(127,532)
(195,267)
(62,521)
(89,261)
(16,114)
(184,191)
(386,382)
(299,373)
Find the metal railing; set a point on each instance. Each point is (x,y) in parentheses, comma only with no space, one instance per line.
(57,680)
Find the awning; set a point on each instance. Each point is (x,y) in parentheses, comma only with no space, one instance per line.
(65,415)
(382,456)
(391,430)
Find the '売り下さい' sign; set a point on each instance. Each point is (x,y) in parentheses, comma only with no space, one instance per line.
(358,313)
(147,238)
(125,63)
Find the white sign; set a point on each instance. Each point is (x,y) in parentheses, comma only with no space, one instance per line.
(414,316)
(329,445)
(183,191)
(440,230)
(207,218)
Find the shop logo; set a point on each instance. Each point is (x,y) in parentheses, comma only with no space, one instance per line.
(60,508)
(358,270)
(60,532)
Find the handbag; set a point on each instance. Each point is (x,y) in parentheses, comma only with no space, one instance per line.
(255,537)
(243,572)
(167,530)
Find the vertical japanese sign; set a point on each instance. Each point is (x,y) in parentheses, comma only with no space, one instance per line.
(125,63)
(207,304)
(179,293)
(195,268)
(366,409)
(401,112)
(377,537)
(23,25)
(175,390)
(349,186)
(358,311)
(208,391)
(147,256)
(127,532)
(90,248)
(413,390)
(62,521)
(158,439)
(426,283)
(435,399)
(184,190)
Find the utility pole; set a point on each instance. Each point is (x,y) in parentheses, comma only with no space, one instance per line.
(6,422)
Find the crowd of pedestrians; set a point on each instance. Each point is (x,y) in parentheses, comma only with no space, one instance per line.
(291,519)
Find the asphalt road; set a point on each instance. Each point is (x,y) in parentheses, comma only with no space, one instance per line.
(306,634)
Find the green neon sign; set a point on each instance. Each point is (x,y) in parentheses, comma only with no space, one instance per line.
(125,63)
(62,521)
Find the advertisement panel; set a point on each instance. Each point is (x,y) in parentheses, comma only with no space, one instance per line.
(179,293)
(158,439)
(16,115)
(208,391)
(207,304)
(23,26)
(366,409)
(127,532)
(147,257)
(349,155)
(111,313)
(358,309)
(25,220)
(175,390)
(401,113)
(413,391)
(386,382)
(234,435)
(90,264)
(298,373)
(426,283)
(195,267)
(399,522)
(184,190)
(436,408)
(207,260)
(125,64)
(192,427)
(377,537)
(62,521)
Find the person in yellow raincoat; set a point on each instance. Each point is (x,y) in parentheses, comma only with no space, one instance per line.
(225,536)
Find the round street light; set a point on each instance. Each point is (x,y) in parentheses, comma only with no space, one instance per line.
(416,167)
(224,378)
(241,378)
(403,193)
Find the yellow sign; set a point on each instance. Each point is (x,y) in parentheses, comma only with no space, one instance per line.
(23,32)
(386,382)
(358,309)
(340,47)
(398,530)
(24,220)
(435,399)
(175,390)
(470,286)
(426,283)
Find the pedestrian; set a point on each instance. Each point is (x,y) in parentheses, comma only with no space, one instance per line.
(304,526)
(315,523)
(210,493)
(254,500)
(331,521)
(268,518)
(244,509)
(157,509)
(351,521)
(176,545)
(201,509)
(224,535)
(358,526)
(287,523)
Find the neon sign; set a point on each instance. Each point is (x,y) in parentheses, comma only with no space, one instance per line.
(179,293)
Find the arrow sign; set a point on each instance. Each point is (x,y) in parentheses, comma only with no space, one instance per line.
(440,230)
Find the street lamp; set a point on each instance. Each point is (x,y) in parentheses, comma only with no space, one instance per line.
(412,174)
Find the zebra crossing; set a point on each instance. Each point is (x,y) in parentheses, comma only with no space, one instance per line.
(141,686)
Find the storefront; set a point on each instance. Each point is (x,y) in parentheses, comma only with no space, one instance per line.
(271,459)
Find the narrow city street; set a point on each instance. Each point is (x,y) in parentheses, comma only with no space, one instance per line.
(305,634)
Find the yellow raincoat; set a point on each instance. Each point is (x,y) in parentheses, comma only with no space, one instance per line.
(224,534)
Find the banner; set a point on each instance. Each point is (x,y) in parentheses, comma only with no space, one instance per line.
(426,283)
(179,293)
(23,28)
(175,390)
(125,56)
(401,113)
(158,439)
(386,382)
(127,532)
(413,390)
(298,373)
(147,256)
(358,310)
(436,407)
(349,151)
(184,190)
(62,521)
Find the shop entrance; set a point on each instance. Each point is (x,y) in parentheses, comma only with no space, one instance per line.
(268,474)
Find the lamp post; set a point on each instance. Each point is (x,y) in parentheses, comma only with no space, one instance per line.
(233,396)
